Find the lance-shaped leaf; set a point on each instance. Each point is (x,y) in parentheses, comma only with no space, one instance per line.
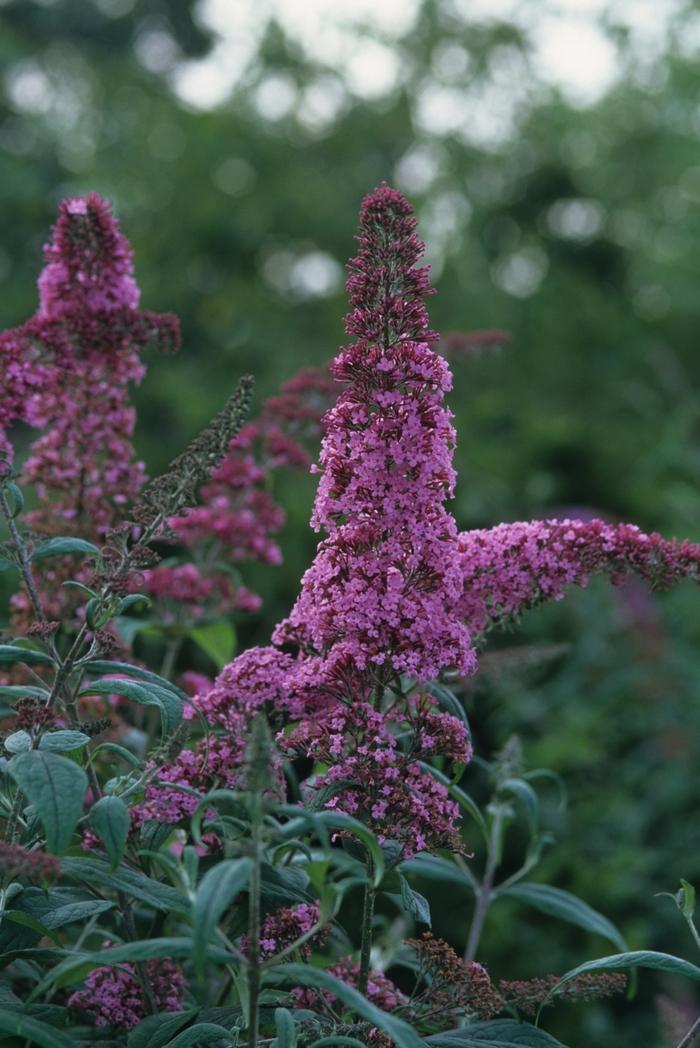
(497,1033)
(16,653)
(109,818)
(56,787)
(154,893)
(567,907)
(33,1031)
(400,1032)
(65,547)
(167,702)
(217,890)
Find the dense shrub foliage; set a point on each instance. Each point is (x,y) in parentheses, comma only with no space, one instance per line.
(248,858)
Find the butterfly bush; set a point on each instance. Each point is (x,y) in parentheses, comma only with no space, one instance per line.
(88,334)
(369,775)
(395,591)
(68,371)
(253,682)
(351,682)
(380,601)
(114,996)
(384,586)
(282,928)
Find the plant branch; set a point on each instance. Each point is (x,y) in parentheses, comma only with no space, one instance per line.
(691,1035)
(24,563)
(141,970)
(259,766)
(367,919)
(484,891)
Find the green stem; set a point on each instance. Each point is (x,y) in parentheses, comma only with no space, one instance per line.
(254,957)
(693,931)
(22,556)
(692,1033)
(13,817)
(141,970)
(254,917)
(367,920)
(484,892)
(172,650)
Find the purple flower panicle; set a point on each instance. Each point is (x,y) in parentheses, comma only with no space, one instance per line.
(512,567)
(383,590)
(114,997)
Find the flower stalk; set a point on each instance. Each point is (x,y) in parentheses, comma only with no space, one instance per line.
(367,921)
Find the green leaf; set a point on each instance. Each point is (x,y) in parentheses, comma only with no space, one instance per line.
(225,1015)
(411,902)
(134,600)
(27,921)
(15,498)
(285,1028)
(95,614)
(64,547)
(109,818)
(527,797)
(101,666)
(52,908)
(463,799)
(328,1042)
(18,742)
(8,999)
(566,907)
(284,885)
(303,975)
(113,747)
(201,1033)
(552,776)
(415,904)
(63,741)
(153,834)
(685,897)
(217,640)
(75,966)
(34,1031)
(81,586)
(661,962)
(449,702)
(435,868)
(498,1033)
(75,911)
(155,1031)
(168,703)
(217,889)
(16,653)
(56,786)
(19,691)
(97,871)
(339,820)
(148,950)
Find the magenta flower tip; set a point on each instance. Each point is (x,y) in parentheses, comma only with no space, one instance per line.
(89,262)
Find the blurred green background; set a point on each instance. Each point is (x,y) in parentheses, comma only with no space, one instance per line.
(552,150)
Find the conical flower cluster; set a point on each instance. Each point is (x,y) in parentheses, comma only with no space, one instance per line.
(379,611)
(380,598)
(74,360)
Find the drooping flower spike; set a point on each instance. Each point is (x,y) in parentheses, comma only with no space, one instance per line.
(512,567)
